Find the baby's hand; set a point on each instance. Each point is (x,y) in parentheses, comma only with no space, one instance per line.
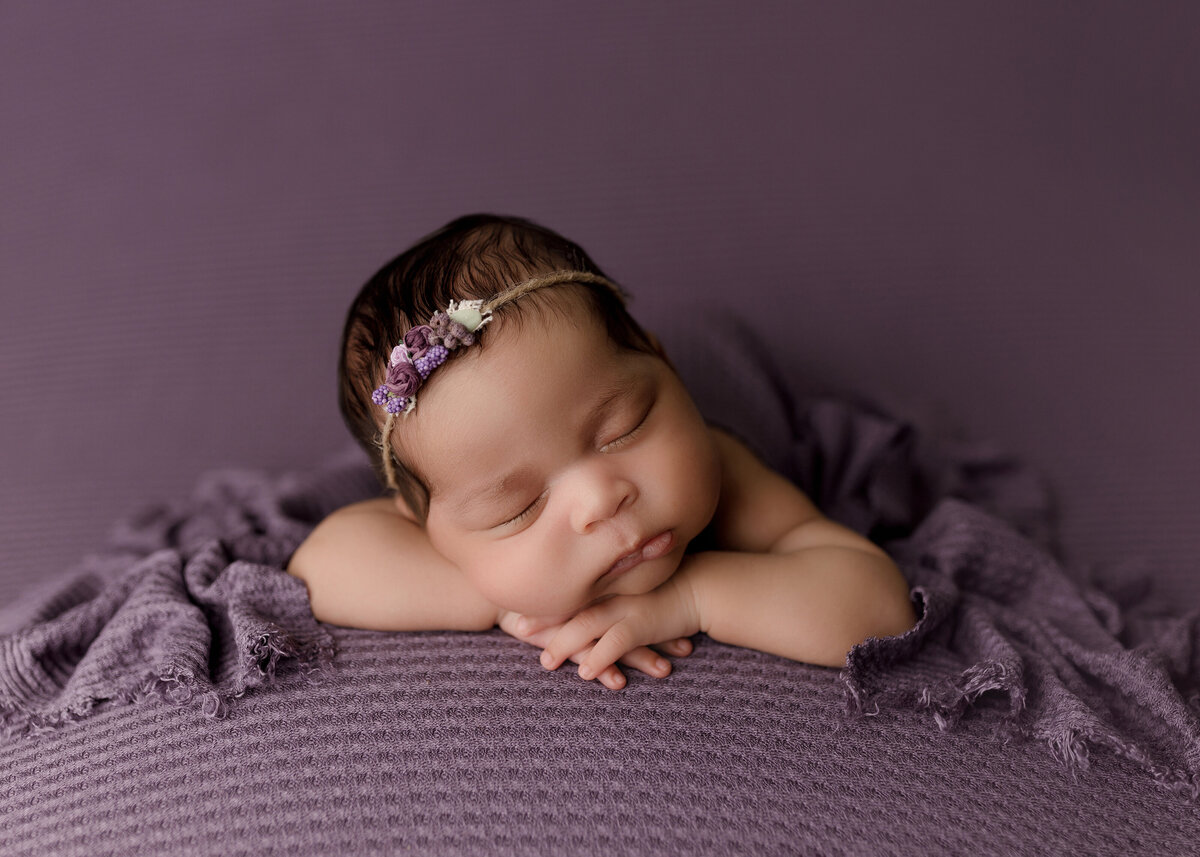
(539,632)
(623,625)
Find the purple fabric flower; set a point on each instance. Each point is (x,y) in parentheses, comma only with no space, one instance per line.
(417,339)
(439,322)
(402,379)
(456,335)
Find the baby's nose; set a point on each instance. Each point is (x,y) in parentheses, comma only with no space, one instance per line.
(600,494)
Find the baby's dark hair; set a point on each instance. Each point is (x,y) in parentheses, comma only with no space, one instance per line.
(474,257)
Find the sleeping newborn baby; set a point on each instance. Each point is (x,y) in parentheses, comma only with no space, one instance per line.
(557,480)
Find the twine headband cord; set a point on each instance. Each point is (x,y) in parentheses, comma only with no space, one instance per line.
(425,347)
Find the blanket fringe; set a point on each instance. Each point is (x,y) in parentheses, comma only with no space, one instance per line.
(179,686)
(949,703)
(1072,747)
(265,651)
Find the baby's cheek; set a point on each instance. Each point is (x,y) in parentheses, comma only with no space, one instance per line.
(694,475)
(500,584)
(515,583)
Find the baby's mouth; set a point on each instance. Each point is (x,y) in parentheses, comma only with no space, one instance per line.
(651,548)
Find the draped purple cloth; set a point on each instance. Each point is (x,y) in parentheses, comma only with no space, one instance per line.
(189,602)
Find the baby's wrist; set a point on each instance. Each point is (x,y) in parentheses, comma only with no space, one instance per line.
(688,587)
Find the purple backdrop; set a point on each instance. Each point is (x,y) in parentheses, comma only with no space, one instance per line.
(984,218)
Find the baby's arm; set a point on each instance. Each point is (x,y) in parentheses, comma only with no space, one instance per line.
(366,566)
(796,583)
(812,604)
(369,566)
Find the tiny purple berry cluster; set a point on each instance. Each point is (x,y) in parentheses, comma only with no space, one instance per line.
(391,404)
(430,360)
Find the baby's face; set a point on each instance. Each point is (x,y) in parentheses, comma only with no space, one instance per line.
(561,469)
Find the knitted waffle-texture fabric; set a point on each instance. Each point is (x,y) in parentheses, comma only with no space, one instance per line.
(175,696)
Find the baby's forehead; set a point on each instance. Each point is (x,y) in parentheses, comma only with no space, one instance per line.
(568,303)
(540,382)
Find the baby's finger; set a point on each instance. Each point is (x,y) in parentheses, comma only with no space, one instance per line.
(648,661)
(612,678)
(528,626)
(678,648)
(531,629)
(616,643)
(577,636)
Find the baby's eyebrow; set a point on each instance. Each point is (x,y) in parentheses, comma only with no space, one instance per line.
(608,395)
(491,493)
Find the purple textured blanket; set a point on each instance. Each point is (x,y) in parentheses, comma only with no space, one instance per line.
(188,601)
(189,604)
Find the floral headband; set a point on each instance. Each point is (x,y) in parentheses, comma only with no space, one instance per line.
(428,346)
(425,348)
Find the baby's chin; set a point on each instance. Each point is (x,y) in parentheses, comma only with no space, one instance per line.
(639,580)
(648,576)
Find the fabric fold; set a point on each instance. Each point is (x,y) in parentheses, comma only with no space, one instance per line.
(188,601)
(1002,625)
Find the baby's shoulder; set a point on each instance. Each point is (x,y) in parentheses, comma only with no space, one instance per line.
(758,505)
(374,506)
(368,566)
(741,468)
(384,508)
(347,528)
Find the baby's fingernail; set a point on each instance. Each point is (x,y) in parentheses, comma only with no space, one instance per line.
(586,674)
(523,625)
(547,660)
(662,664)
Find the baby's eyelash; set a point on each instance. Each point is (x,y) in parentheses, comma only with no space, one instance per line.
(524,513)
(629,435)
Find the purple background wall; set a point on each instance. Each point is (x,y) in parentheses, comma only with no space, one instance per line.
(985,217)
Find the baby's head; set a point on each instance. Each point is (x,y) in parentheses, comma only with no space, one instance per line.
(554,457)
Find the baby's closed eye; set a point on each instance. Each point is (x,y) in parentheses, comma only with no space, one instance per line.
(525,513)
(628,435)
